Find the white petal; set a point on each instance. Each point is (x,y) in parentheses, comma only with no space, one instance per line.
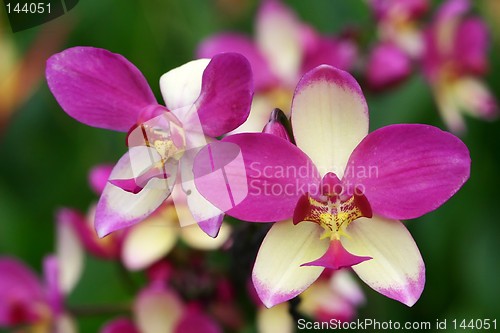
(70,255)
(277,274)
(181,86)
(329,117)
(65,324)
(117,208)
(150,240)
(278,37)
(198,239)
(275,320)
(343,283)
(157,311)
(448,107)
(397,269)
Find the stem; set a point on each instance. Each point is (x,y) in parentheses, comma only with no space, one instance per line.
(95,310)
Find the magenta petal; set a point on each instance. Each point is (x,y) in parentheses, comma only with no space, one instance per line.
(194,321)
(212,226)
(20,293)
(98,88)
(226,94)
(120,325)
(471,46)
(98,177)
(274,174)
(387,66)
(275,125)
(452,9)
(337,257)
(406,170)
(228,42)
(51,273)
(340,53)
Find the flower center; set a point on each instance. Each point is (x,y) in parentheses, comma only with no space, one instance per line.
(333,210)
(165,134)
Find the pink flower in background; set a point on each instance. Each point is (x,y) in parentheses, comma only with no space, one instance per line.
(284,48)
(157,309)
(342,189)
(25,301)
(204,99)
(144,243)
(400,41)
(455,59)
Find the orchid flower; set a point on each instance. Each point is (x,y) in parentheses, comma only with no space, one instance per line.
(342,190)
(27,301)
(284,49)
(455,59)
(400,41)
(204,99)
(141,245)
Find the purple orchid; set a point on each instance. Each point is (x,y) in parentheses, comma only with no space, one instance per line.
(284,49)
(204,99)
(341,191)
(455,58)
(390,61)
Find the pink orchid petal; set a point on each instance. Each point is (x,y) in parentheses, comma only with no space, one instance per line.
(119,325)
(278,36)
(387,65)
(230,42)
(278,274)
(451,10)
(409,9)
(340,53)
(397,269)
(21,293)
(329,117)
(118,209)
(226,94)
(406,170)
(98,177)
(98,88)
(336,257)
(265,186)
(471,46)
(275,125)
(194,321)
(52,278)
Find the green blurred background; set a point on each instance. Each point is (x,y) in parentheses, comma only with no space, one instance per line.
(45,155)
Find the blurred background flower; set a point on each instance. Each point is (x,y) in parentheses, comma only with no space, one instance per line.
(46,155)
